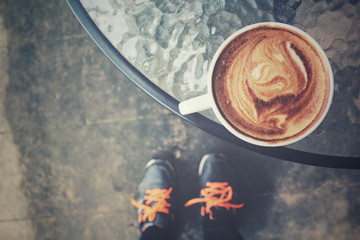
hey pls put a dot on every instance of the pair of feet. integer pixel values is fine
(157, 192)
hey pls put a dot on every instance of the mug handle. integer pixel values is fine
(195, 104)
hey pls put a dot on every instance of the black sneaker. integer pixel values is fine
(218, 199)
(155, 199)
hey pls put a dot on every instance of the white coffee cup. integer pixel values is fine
(207, 101)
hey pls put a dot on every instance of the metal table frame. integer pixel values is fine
(197, 119)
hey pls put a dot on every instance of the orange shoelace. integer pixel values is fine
(159, 197)
(216, 194)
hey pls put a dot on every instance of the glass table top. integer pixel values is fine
(173, 42)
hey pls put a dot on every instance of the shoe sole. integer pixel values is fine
(203, 160)
(153, 161)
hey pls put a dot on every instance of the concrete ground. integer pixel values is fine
(75, 134)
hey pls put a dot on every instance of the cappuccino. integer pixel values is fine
(271, 84)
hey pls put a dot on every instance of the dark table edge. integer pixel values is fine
(196, 119)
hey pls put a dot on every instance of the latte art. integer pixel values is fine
(271, 84)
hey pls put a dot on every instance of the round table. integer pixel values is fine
(165, 48)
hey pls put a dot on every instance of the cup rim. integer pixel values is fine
(244, 137)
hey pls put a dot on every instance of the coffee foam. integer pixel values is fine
(271, 84)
